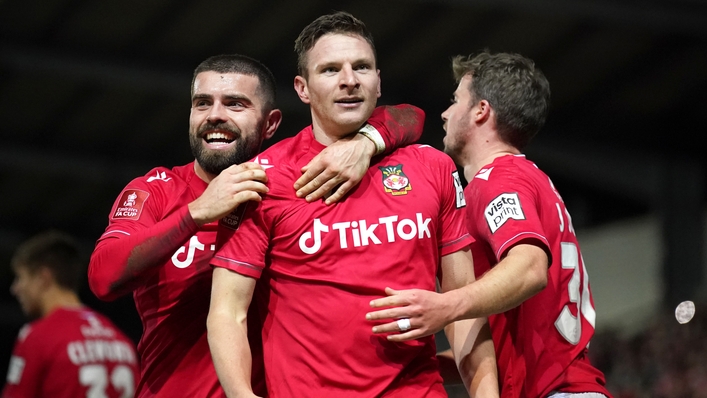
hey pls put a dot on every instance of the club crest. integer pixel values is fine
(394, 180)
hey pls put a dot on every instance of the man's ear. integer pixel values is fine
(378, 93)
(272, 122)
(46, 276)
(483, 112)
(301, 89)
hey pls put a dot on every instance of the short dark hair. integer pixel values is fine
(518, 92)
(56, 251)
(244, 65)
(340, 22)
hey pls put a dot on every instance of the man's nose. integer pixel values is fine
(348, 77)
(217, 114)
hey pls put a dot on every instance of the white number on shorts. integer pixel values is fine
(570, 326)
(95, 377)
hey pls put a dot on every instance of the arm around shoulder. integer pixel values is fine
(396, 125)
(520, 275)
(341, 166)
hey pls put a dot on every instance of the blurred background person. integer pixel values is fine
(69, 350)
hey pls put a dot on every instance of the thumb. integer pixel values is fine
(391, 292)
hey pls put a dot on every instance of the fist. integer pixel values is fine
(234, 186)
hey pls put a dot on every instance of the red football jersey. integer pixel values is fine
(72, 352)
(324, 264)
(540, 345)
(172, 303)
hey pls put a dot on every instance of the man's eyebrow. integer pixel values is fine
(201, 96)
(364, 60)
(329, 63)
(228, 97)
(338, 64)
(232, 97)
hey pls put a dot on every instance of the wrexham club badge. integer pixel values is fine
(394, 180)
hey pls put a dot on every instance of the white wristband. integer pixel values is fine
(372, 134)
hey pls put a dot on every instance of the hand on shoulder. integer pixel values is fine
(234, 186)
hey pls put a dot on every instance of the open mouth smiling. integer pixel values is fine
(219, 137)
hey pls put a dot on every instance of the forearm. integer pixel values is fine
(518, 277)
(230, 351)
(398, 125)
(120, 262)
(339, 167)
(227, 329)
(473, 350)
(487, 296)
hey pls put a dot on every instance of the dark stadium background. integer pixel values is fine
(95, 93)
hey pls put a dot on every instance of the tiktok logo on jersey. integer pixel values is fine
(360, 233)
(504, 207)
(180, 260)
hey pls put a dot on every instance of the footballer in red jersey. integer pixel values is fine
(72, 352)
(69, 350)
(162, 227)
(325, 263)
(511, 201)
(172, 300)
(526, 255)
(402, 226)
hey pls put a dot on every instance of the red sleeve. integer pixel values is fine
(398, 125)
(242, 247)
(25, 373)
(506, 210)
(454, 234)
(132, 249)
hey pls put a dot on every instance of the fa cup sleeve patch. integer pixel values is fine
(459, 190)
(14, 373)
(130, 205)
(233, 219)
(504, 207)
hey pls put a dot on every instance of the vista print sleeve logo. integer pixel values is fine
(504, 207)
